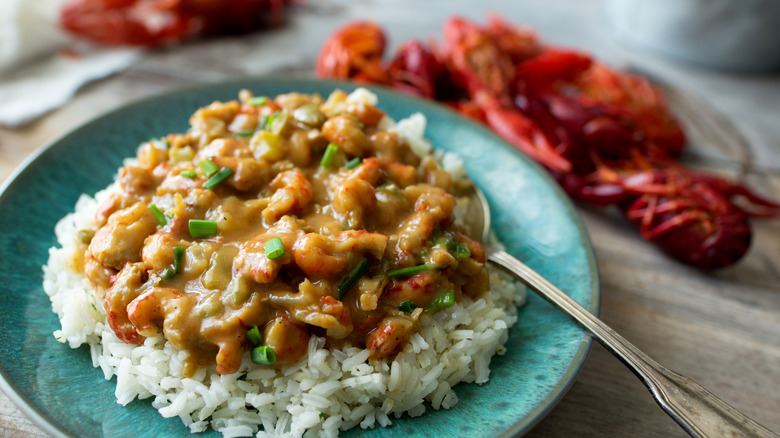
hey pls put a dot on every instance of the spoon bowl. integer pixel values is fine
(695, 409)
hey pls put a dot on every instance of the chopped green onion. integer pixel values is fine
(274, 248)
(263, 355)
(262, 124)
(218, 177)
(188, 173)
(442, 301)
(353, 163)
(405, 272)
(157, 214)
(168, 274)
(330, 153)
(353, 277)
(270, 120)
(257, 101)
(208, 167)
(202, 228)
(254, 336)
(245, 132)
(178, 253)
(444, 239)
(461, 251)
(407, 306)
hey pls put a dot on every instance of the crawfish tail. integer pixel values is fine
(520, 131)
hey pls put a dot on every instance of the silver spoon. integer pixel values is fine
(695, 409)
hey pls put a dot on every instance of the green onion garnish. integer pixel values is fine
(442, 301)
(407, 306)
(270, 120)
(444, 239)
(461, 251)
(168, 273)
(274, 248)
(258, 101)
(178, 253)
(218, 177)
(405, 272)
(262, 124)
(157, 214)
(245, 132)
(352, 277)
(353, 163)
(254, 336)
(208, 167)
(263, 355)
(202, 228)
(330, 153)
(188, 173)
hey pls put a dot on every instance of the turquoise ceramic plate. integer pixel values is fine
(58, 388)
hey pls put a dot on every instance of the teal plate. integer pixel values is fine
(58, 388)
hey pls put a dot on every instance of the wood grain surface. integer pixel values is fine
(721, 329)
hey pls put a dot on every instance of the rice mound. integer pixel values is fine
(327, 391)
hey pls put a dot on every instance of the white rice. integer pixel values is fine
(325, 392)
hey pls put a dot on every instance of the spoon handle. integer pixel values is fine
(697, 410)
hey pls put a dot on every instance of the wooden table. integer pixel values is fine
(721, 329)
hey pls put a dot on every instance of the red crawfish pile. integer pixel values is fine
(152, 23)
(608, 137)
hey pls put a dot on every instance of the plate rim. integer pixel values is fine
(521, 426)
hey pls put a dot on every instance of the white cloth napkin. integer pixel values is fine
(41, 66)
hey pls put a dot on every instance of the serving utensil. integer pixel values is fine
(695, 409)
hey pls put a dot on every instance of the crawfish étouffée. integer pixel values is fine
(350, 203)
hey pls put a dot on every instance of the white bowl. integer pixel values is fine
(740, 35)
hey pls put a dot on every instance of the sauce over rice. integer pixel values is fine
(296, 215)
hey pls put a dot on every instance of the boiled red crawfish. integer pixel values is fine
(608, 137)
(155, 22)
